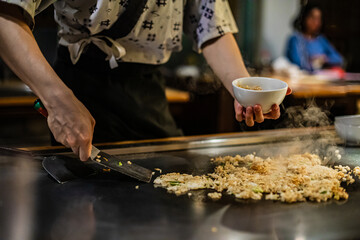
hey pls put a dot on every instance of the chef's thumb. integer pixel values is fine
(85, 151)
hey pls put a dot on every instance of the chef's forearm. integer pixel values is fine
(19, 50)
(224, 57)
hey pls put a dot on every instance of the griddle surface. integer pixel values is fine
(109, 207)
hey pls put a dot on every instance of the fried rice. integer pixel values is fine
(295, 178)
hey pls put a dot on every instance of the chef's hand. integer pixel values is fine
(255, 114)
(72, 125)
(69, 121)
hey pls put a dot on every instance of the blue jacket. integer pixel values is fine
(300, 50)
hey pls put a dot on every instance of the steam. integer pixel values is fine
(307, 116)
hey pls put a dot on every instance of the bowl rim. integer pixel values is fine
(340, 120)
(347, 117)
(258, 91)
(346, 124)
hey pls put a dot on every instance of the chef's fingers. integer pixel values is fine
(70, 142)
(57, 133)
(259, 117)
(249, 116)
(85, 151)
(238, 111)
(288, 91)
(93, 123)
(61, 137)
(75, 150)
(274, 114)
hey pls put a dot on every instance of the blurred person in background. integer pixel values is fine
(307, 47)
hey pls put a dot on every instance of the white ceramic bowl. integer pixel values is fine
(274, 92)
(348, 128)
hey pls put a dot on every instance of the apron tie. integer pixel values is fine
(110, 47)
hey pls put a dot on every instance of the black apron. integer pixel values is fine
(128, 102)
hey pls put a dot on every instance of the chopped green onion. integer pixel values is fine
(174, 183)
(257, 190)
(323, 192)
(120, 164)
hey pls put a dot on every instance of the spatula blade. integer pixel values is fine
(125, 167)
(64, 169)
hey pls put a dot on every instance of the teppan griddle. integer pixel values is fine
(33, 206)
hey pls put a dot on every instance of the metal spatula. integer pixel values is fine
(64, 169)
(108, 161)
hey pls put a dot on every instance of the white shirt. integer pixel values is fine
(157, 33)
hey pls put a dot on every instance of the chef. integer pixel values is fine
(107, 66)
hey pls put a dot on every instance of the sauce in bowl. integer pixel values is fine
(257, 88)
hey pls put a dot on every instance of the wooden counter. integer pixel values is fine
(17, 101)
(177, 96)
(172, 95)
(311, 86)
